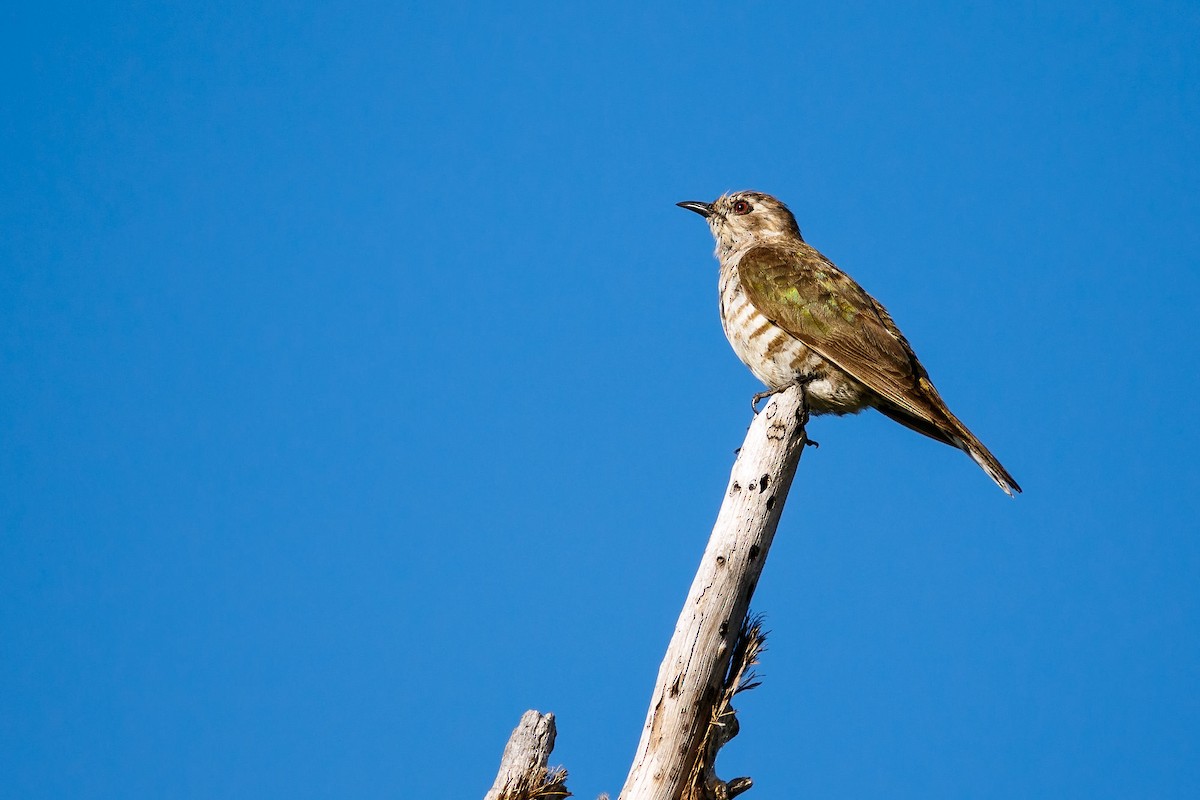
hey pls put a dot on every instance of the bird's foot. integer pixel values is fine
(758, 398)
(802, 413)
(802, 381)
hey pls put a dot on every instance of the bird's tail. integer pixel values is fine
(966, 441)
(945, 427)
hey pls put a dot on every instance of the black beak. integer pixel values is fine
(703, 209)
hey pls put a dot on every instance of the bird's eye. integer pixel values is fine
(741, 207)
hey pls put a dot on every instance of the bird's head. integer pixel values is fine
(741, 219)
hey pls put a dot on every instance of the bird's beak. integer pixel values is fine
(703, 209)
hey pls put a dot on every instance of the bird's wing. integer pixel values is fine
(802, 292)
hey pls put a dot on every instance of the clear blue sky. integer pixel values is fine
(361, 386)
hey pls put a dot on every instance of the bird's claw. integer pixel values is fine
(758, 398)
(803, 381)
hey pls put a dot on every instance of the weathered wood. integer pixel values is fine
(692, 681)
(523, 774)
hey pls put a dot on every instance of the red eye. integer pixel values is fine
(741, 207)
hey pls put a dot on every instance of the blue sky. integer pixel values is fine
(361, 386)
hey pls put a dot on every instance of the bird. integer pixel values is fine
(794, 318)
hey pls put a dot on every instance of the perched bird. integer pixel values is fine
(793, 317)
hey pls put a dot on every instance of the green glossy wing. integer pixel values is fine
(802, 292)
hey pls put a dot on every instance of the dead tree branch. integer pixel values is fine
(689, 716)
(715, 644)
(523, 773)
